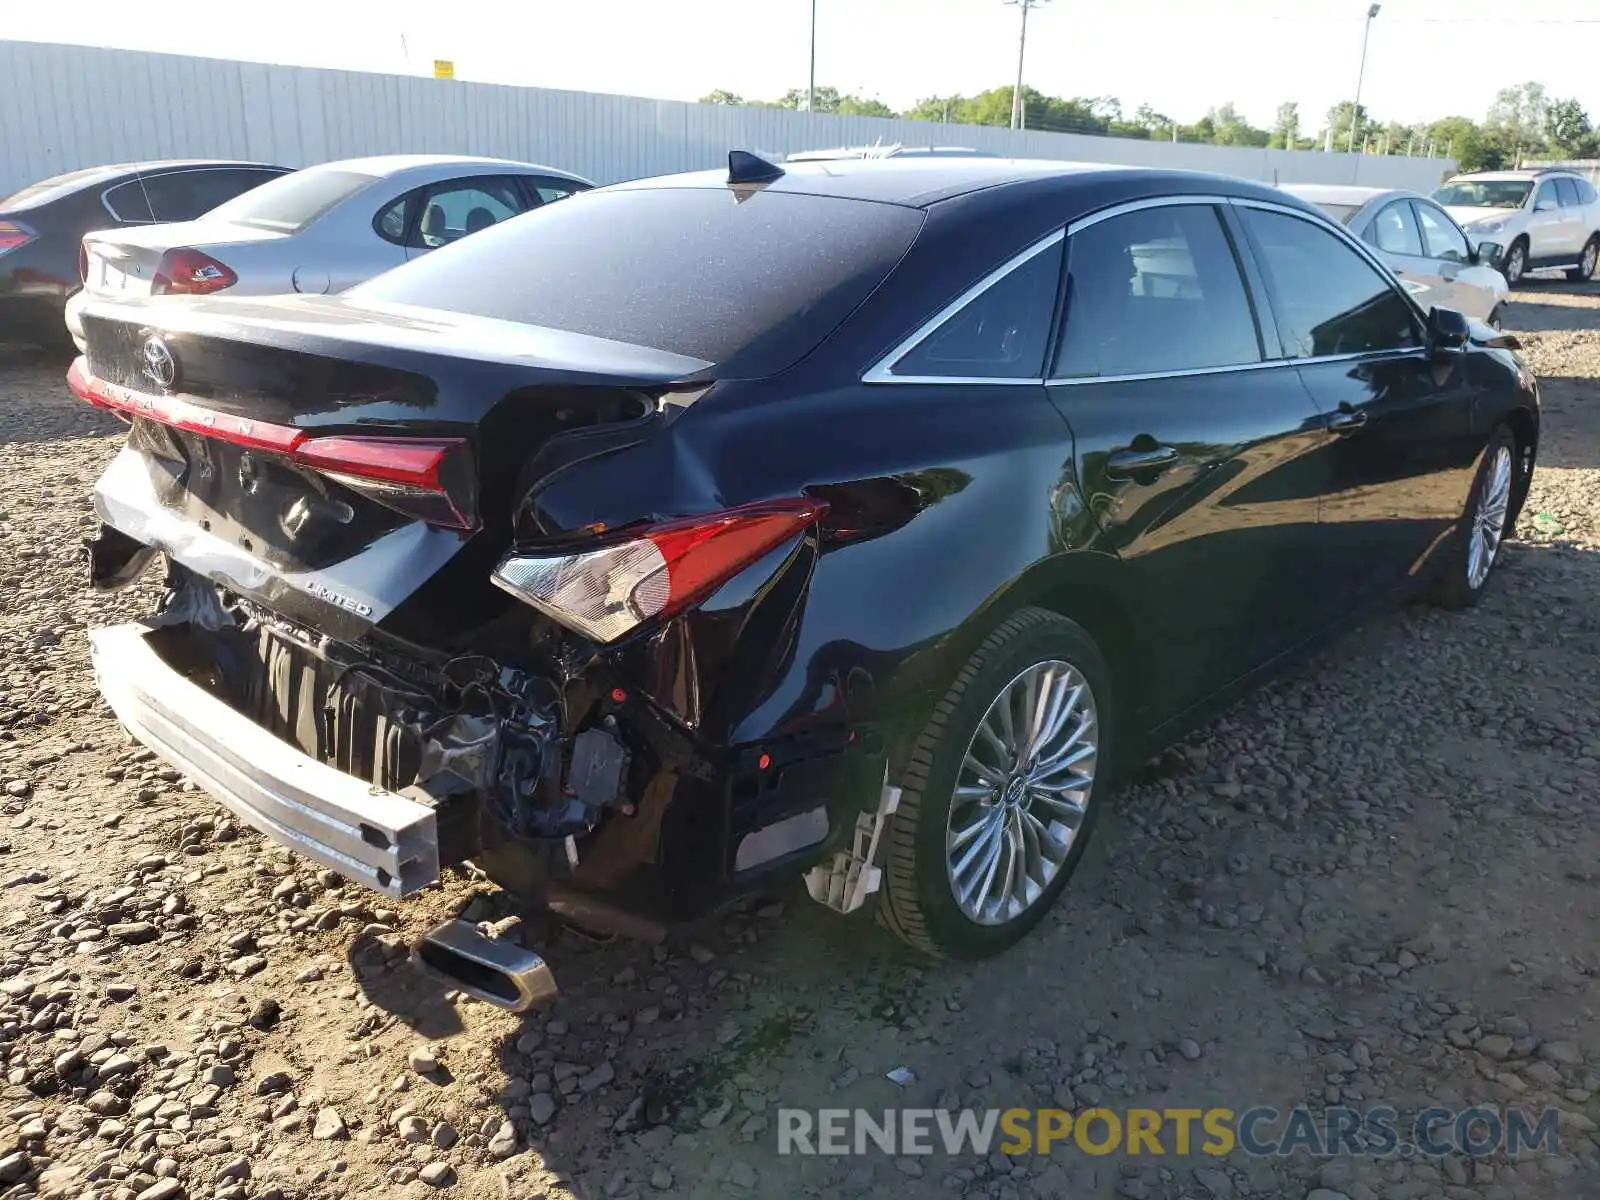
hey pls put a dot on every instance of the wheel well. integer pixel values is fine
(1525, 434)
(1105, 620)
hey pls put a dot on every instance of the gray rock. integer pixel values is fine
(1325, 1194)
(741, 1174)
(329, 1126)
(597, 1078)
(246, 965)
(503, 1143)
(1190, 1049)
(541, 1107)
(412, 1129)
(437, 1174)
(14, 1166)
(1564, 1053)
(908, 1166)
(162, 1189)
(423, 1060)
(1216, 1182)
(444, 1135)
(135, 933)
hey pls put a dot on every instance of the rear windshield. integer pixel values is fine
(752, 283)
(53, 188)
(1485, 193)
(291, 202)
(1340, 212)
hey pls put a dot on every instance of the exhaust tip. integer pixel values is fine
(496, 970)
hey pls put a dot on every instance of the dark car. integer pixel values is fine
(861, 520)
(42, 227)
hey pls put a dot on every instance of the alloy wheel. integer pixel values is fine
(1489, 519)
(1591, 258)
(1515, 262)
(1022, 792)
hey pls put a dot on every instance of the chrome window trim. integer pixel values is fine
(881, 371)
(1117, 210)
(1304, 361)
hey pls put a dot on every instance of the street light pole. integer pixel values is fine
(1022, 49)
(1355, 109)
(811, 85)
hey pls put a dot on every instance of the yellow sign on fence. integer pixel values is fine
(443, 68)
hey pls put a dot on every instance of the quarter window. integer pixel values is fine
(999, 334)
(129, 204)
(1154, 291)
(548, 189)
(1441, 237)
(1328, 299)
(1586, 192)
(1567, 189)
(1394, 231)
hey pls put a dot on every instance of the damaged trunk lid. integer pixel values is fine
(328, 459)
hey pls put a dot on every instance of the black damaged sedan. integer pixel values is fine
(858, 520)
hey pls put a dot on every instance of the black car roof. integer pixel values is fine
(69, 182)
(920, 182)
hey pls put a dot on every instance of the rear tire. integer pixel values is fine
(1515, 266)
(1033, 798)
(1584, 271)
(1484, 526)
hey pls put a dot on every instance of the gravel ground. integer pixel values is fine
(1373, 882)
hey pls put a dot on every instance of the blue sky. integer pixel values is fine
(1428, 58)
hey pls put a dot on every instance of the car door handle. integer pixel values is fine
(1347, 419)
(1147, 460)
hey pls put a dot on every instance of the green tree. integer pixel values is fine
(721, 96)
(1286, 127)
(859, 106)
(1231, 128)
(1569, 131)
(1339, 122)
(1518, 117)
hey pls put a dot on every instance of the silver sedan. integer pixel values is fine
(322, 229)
(1422, 244)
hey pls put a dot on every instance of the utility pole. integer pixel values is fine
(1022, 49)
(811, 84)
(1355, 109)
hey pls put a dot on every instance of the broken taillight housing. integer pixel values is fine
(658, 571)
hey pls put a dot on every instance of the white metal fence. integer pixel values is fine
(64, 107)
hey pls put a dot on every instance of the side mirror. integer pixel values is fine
(1448, 331)
(1488, 254)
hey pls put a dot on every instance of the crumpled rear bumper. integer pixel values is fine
(369, 835)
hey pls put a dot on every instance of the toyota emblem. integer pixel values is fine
(159, 365)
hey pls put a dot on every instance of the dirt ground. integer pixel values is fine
(1372, 883)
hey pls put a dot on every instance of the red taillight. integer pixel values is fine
(187, 272)
(608, 591)
(14, 235)
(428, 478)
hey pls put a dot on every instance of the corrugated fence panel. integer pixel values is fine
(64, 107)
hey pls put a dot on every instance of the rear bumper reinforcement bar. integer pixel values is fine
(371, 836)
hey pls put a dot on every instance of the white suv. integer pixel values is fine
(1544, 219)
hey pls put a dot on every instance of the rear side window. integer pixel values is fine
(291, 202)
(453, 210)
(999, 334)
(1394, 231)
(1567, 189)
(1328, 299)
(1586, 192)
(750, 281)
(1155, 291)
(128, 203)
